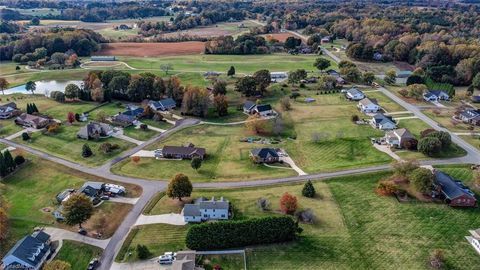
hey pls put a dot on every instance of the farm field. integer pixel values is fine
(34, 187)
(219, 29)
(356, 228)
(77, 254)
(151, 49)
(244, 64)
(282, 37)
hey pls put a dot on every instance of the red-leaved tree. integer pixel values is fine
(70, 117)
(288, 203)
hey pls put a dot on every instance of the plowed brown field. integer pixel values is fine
(151, 49)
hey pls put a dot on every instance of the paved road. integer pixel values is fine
(473, 154)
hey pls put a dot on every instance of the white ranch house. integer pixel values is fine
(203, 210)
(354, 94)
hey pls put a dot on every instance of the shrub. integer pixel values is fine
(294, 95)
(437, 259)
(410, 144)
(403, 168)
(231, 234)
(421, 179)
(142, 252)
(308, 190)
(403, 92)
(86, 151)
(285, 103)
(306, 216)
(429, 146)
(105, 148)
(263, 204)
(386, 188)
(135, 159)
(355, 118)
(426, 132)
(288, 203)
(53, 128)
(25, 136)
(144, 127)
(19, 159)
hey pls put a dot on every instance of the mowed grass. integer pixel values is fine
(342, 143)
(329, 223)
(78, 254)
(34, 187)
(139, 134)
(65, 144)
(247, 64)
(385, 102)
(444, 118)
(227, 158)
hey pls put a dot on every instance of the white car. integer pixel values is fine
(165, 259)
(172, 254)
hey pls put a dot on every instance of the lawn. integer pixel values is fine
(34, 187)
(77, 254)
(473, 140)
(444, 118)
(385, 102)
(157, 124)
(139, 134)
(65, 144)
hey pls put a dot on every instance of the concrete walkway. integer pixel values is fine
(172, 219)
(151, 127)
(292, 164)
(61, 234)
(385, 149)
(438, 104)
(467, 133)
(400, 112)
(405, 118)
(18, 134)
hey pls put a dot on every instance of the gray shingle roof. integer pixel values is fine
(249, 105)
(450, 188)
(264, 107)
(31, 249)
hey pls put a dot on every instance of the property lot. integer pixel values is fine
(220, 29)
(355, 228)
(31, 193)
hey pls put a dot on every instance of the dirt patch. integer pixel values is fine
(279, 36)
(151, 49)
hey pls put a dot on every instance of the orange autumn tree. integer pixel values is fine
(288, 203)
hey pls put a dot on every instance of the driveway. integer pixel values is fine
(292, 164)
(61, 234)
(144, 153)
(119, 134)
(172, 219)
(385, 149)
(124, 200)
(142, 265)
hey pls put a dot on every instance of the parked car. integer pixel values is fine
(105, 197)
(93, 264)
(82, 231)
(165, 259)
(172, 254)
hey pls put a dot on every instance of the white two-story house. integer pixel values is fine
(203, 209)
(368, 105)
(474, 239)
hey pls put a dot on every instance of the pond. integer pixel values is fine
(44, 87)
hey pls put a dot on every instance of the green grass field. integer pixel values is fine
(39, 12)
(355, 228)
(138, 134)
(77, 254)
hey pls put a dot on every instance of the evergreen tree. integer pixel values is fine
(9, 162)
(86, 151)
(34, 108)
(308, 190)
(29, 108)
(231, 71)
(3, 167)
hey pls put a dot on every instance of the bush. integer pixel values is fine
(142, 252)
(306, 216)
(421, 179)
(57, 96)
(403, 168)
(308, 190)
(429, 146)
(437, 259)
(355, 118)
(426, 132)
(386, 188)
(25, 136)
(143, 127)
(86, 151)
(263, 204)
(19, 159)
(232, 234)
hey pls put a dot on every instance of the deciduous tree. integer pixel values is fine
(421, 179)
(179, 187)
(3, 85)
(288, 203)
(196, 163)
(321, 63)
(77, 209)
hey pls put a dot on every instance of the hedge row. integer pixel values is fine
(230, 234)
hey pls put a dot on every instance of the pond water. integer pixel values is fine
(44, 87)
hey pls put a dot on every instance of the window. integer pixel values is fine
(223, 215)
(214, 210)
